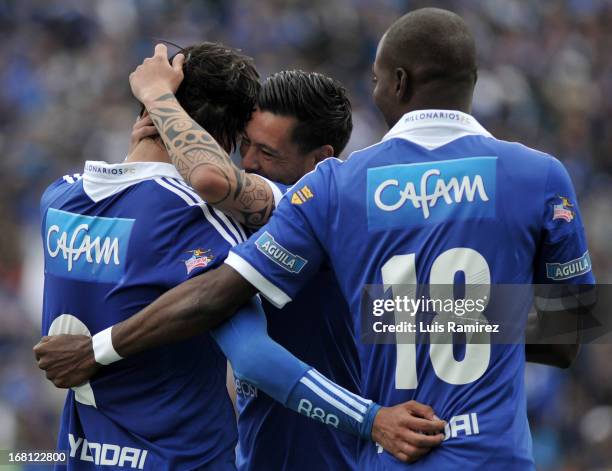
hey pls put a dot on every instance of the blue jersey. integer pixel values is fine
(114, 241)
(439, 200)
(318, 330)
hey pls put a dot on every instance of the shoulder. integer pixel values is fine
(57, 188)
(521, 152)
(181, 204)
(549, 167)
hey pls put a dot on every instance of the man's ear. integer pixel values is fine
(317, 155)
(322, 153)
(403, 85)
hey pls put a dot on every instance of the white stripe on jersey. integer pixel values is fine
(354, 401)
(238, 226)
(209, 214)
(244, 236)
(204, 207)
(223, 217)
(176, 191)
(72, 178)
(217, 225)
(331, 400)
(238, 233)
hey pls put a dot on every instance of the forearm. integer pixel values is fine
(257, 359)
(194, 306)
(207, 167)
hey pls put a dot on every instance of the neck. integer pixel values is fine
(435, 103)
(438, 99)
(149, 150)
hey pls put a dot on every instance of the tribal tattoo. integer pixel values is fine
(245, 196)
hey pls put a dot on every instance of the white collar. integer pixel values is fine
(435, 128)
(101, 180)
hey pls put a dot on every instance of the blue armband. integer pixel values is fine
(259, 360)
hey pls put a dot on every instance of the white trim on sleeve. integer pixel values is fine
(271, 292)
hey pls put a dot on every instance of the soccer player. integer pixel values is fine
(119, 236)
(438, 198)
(301, 119)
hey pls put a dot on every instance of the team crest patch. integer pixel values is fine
(302, 195)
(562, 211)
(199, 259)
(571, 269)
(279, 254)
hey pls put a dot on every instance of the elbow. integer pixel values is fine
(209, 183)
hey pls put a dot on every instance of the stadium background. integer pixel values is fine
(545, 80)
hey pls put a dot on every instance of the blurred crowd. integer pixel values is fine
(545, 79)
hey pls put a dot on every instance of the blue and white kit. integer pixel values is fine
(438, 201)
(114, 240)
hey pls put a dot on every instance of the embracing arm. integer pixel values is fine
(409, 430)
(192, 307)
(259, 360)
(200, 160)
(208, 168)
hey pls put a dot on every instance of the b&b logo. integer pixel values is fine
(84, 247)
(417, 194)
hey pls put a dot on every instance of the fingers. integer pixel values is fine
(420, 410)
(421, 440)
(142, 129)
(57, 381)
(177, 62)
(142, 121)
(144, 132)
(424, 425)
(161, 51)
(409, 454)
(39, 346)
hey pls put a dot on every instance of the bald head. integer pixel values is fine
(426, 59)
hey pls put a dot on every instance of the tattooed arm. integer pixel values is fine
(197, 156)
(207, 168)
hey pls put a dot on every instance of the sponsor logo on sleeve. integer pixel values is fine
(279, 254)
(431, 192)
(571, 269)
(562, 211)
(302, 195)
(86, 248)
(199, 259)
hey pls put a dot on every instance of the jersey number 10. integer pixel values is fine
(401, 270)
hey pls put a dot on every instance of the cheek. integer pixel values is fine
(382, 98)
(376, 95)
(270, 169)
(285, 172)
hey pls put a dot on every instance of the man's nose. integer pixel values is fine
(250, 161)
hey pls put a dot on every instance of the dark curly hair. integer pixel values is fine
(319, 103)
(219, 90)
